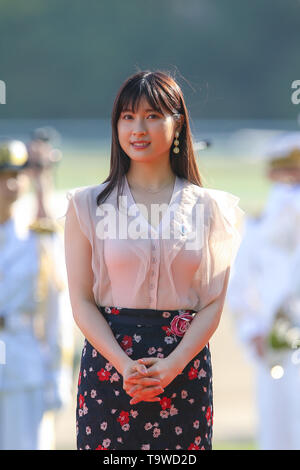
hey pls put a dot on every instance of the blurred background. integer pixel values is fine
(62, 64)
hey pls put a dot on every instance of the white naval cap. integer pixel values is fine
(283, 150)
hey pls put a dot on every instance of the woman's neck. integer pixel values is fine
(149, 180)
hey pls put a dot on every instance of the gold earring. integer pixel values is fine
(176, 143)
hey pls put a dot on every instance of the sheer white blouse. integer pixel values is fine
(178, 264)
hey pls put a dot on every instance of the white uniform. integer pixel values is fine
(36, 340)
(265, 277)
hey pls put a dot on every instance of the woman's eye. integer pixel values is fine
(127, 116)
(153, 115)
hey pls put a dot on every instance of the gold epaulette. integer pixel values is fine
(45, 225)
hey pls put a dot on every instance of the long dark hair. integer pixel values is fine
(163, 93)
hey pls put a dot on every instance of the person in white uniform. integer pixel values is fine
(36, 342)
(264, 297)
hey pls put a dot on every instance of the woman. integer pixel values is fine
(146, 297)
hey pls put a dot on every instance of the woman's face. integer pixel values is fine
(146, 135)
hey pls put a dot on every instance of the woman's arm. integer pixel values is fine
(202, 328)
(78, 255)
(195, 338)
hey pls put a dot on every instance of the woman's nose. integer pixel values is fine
(139, 128)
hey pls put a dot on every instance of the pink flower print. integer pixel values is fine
(196, 363)
(191, 401)
(84, 373)
(155, 425)
(106, 443)
(169, 340)
(113, 411)
(134, 413)
(145, 447)
(117, 393)
(156, 432)
(80, 413)
(85, 409)
(94, 353)
(107, 310)
(99, 402)
(151, 350)
(173, 411)
(126, 427)
(159, 349)
(196, 424)
(108, 366)
(115, 377)
(202, 373)
(181, 323)
(103, 426)
(88, 430)
(197, 440)
(119, 439)
(184, 394)
(178, 430)
(93, 393)
(164, 414)
(178, 447)
(204, 389)
(160, 355)
(148, 426)
(166, 314)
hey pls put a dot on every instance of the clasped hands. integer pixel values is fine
(146, 378)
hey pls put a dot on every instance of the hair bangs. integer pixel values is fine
(152, 92)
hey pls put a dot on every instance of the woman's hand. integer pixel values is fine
(151, 386)
(162, 370)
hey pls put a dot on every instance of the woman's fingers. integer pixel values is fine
(146, 394)
(143, 381)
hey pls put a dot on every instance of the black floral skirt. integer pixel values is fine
(182, 419)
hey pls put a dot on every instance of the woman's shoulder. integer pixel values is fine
(214, 196)
(86, 192)
(221, 205)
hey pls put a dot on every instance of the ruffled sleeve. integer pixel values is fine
(221, 243)
(80, 198)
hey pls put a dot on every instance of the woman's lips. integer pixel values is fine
(140, 145)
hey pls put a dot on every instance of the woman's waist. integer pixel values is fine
(147, 317)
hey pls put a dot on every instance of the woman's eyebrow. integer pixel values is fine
(146, 110)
